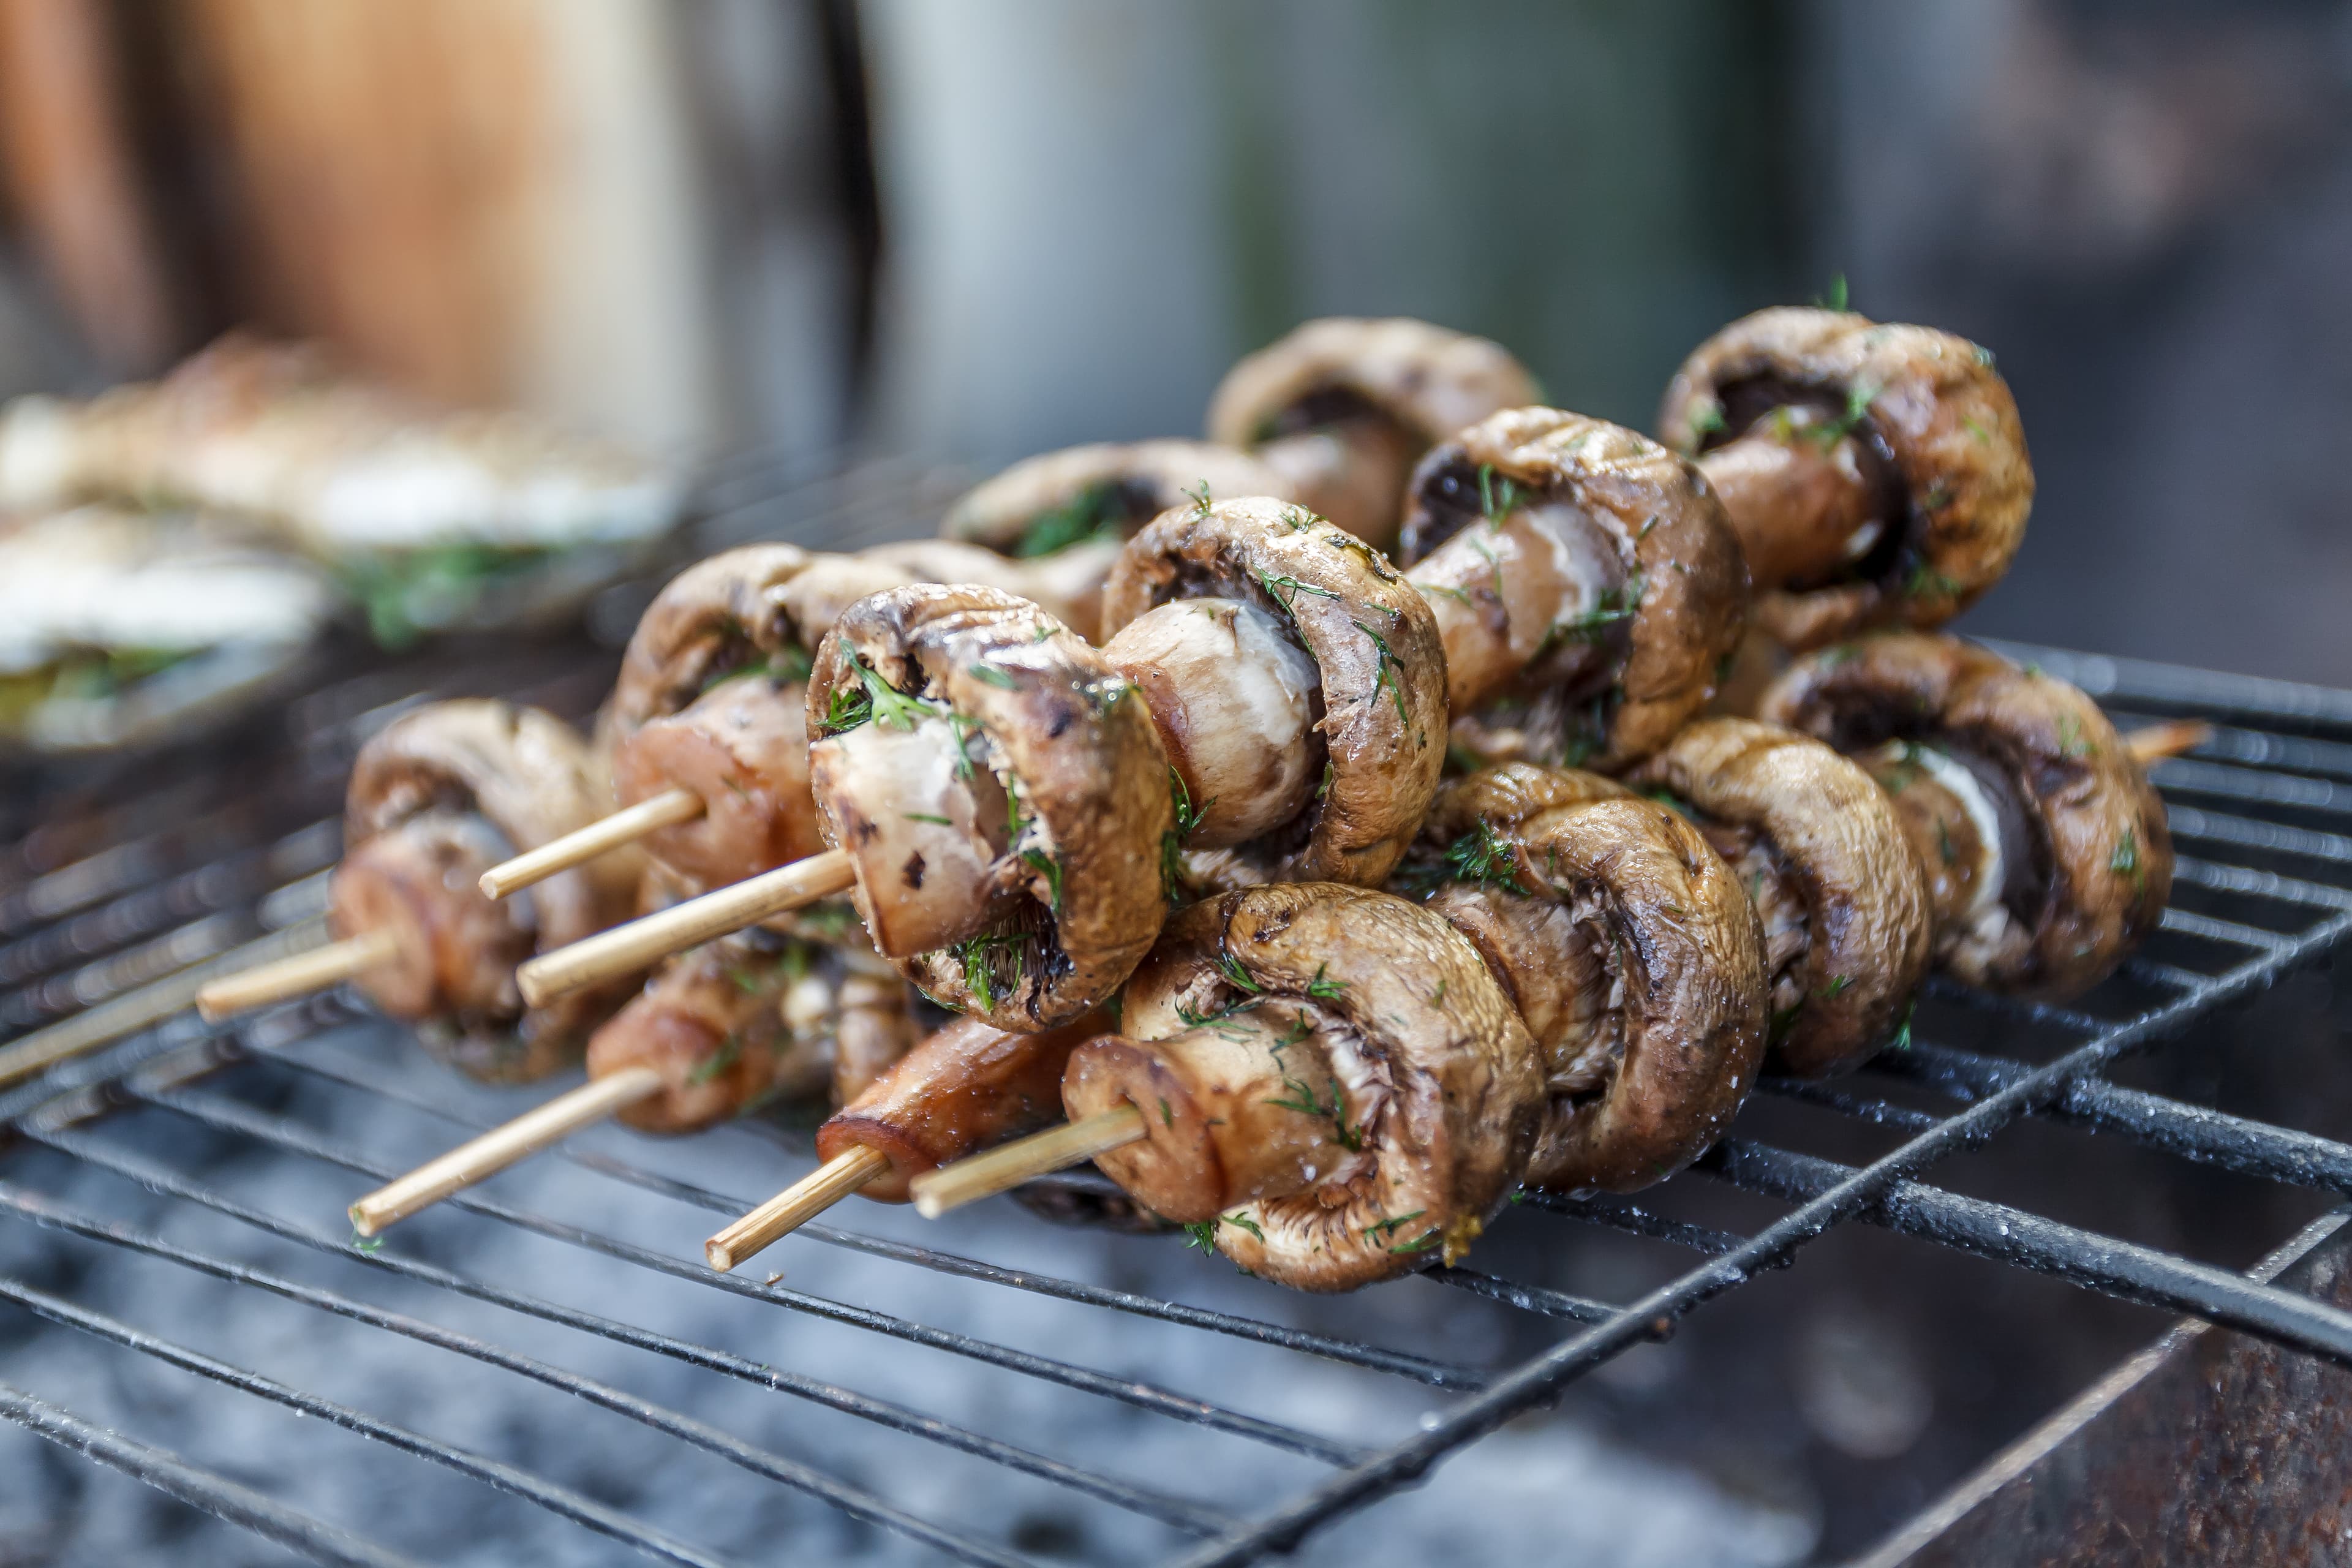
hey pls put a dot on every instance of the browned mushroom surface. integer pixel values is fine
(2045, 848)
(1063, 515)
(1342, 408)
(435, 799)
(1587, 585)
(1001, 795)
(1877, 473)
(1330, 1079)
(1221, 614)
(710, 1021)
(1818, 847)
(1633, 955)
(963, 1088)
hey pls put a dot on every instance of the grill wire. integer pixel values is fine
(201, 873)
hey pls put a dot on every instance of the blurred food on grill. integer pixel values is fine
(120, 628)
(434, 519)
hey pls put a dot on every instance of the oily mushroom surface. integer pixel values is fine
(1663, 598)
(1344, 405)
(1636, 962)
(710, 1021)
(1073, 900)
(1380, 668)
(2055, 798)
(493, 779)
(1938, 456)
(1433, 1090)
(966, 1087)
(1793, 817)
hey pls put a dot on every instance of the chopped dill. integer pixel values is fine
(718, 1062)
(1084, 516)
(1235, 975)
(1224, 1024)
(2124, 862)
(1425, 1242)
(1382, 1229)
(1783, 1019)
(1202, 500)
(1449, 591)
(1984, 356)
(1240, 1220)
(1944, 841)
(1323, 790)
(1834, 299)
(1485, 858)
(878, 699)
(1901, 1040)
(977, 958)
(1275, 585)
(1297, 519)
(990, 675)
(2071, 742)
(1975, 427)
(927, 816)
(370, 1245)
(1203, 1234)
(1925, 582)
(1708, 420)
(1321, 989)
(1838, 986)
(783, 668)
(1301, 1099)
(1167, 1116)
(1496, 500)
(1181, 798)
(1386, 659)
(1050, 868)
(1297, 1031)
(1437, 997)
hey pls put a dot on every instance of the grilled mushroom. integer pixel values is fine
(1067, 512)
(1203, 605)
(1630, 951)
(1342, 407)
(1819, 849)
(1877, 474)
(1001, 795)
(749, 1019)
(963, 1088)
(1330, 1079)
(435, 799)
(2045, 848)
(1587, 585)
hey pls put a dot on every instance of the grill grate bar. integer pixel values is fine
(2128, 681)
(1181, 1512)
(226, 1115)
(1617, 1214)
(2120, 1268)
(2250, 833)
(2189, 922)
(1542, 1378)
(198, 1487)
(2192, 1132)
(557, 1500)
(1439, 1375)
(774, 1467)
(2221, 781)
(1526, 1298)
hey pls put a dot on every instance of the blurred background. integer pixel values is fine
(978, 232)
(969, 233)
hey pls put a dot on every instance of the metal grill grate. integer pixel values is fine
(143, 1162)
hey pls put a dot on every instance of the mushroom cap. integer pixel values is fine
(2096, 815)
(1431, 379)
(1147, 476)
(1936, 414)
(531, 776)
(1870, 926)
(1464, 1097)
(1504, 796)
(774, 597)
(1667, 527)
(1374, 643)
(1695, 1009)
(1085, 760)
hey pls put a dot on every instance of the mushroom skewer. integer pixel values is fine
(716, 1033)
(1877, 474)
(2045, 848)
(1325, 1081)
(1625, 946)
(1342, 408)
(1251, 566)
(433, 798)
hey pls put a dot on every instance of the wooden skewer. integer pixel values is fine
(1008, 1165)
(2169, 738)
(625, 949)
(494, 1150)
(794, 1207)
(666, 809)
(296, 976)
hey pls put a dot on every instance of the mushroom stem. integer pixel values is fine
(1246, 1105)
(1231, 694)
(1507, 590)
(1952, 828)
(1798, 497)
